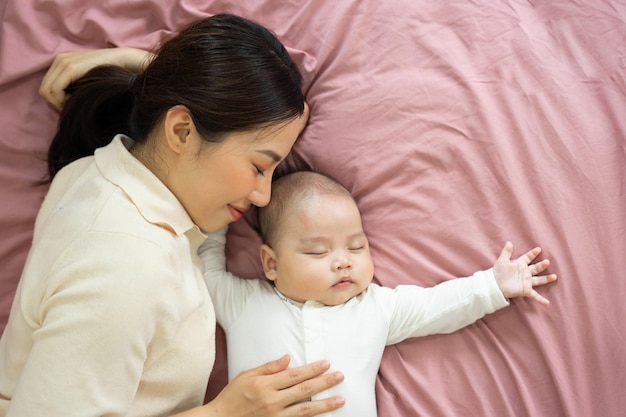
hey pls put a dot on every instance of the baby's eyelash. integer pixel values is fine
(319, 253)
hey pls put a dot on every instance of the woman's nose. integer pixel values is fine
(260, 196)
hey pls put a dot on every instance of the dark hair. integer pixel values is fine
(232, 75)
(287, 192)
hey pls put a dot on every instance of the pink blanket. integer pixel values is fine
(457, 126)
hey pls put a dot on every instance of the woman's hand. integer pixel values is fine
(70, 66)
(517, 278)
(272, 390)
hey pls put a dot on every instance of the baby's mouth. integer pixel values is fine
(343, 282)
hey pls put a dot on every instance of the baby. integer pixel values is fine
(319, 302)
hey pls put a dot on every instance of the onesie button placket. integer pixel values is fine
(313, 335)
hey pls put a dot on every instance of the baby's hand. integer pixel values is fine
(516, 278)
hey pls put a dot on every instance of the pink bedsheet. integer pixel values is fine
(457, 125)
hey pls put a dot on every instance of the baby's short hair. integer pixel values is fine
(289, 190)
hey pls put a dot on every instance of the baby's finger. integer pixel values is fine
(535, 296)
(540, 280)
(505, 254)
(539, 267)
(528, 257)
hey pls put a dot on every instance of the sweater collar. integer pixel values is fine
(153, 199)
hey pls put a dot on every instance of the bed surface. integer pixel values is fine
(457, 127)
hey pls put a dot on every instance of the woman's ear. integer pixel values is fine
(178, 126)
(268, 260)
(304, 119)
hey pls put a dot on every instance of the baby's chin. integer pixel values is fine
(339, 299)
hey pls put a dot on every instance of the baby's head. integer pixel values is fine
(314, 247)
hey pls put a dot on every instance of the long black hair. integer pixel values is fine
(231, 73)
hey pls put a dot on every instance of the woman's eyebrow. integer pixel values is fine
(271, 154)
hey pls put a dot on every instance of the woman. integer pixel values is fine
(112, 316)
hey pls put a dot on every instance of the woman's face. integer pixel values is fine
(217, 183)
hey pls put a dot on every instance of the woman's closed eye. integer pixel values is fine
(259, 171)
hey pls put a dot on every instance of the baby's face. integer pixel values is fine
(323, 254)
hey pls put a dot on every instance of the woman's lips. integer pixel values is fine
(236, 212)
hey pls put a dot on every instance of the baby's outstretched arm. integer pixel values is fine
(517, 277)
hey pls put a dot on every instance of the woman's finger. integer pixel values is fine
(68, 67)
(307, 379)
(297, 385)
(63, 71)
(300, 374)
(313, 408)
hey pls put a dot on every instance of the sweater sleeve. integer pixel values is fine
(94, 320)
(444, 308)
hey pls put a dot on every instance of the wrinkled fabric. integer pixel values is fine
(457, 126)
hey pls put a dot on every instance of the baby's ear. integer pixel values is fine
(268, 259)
